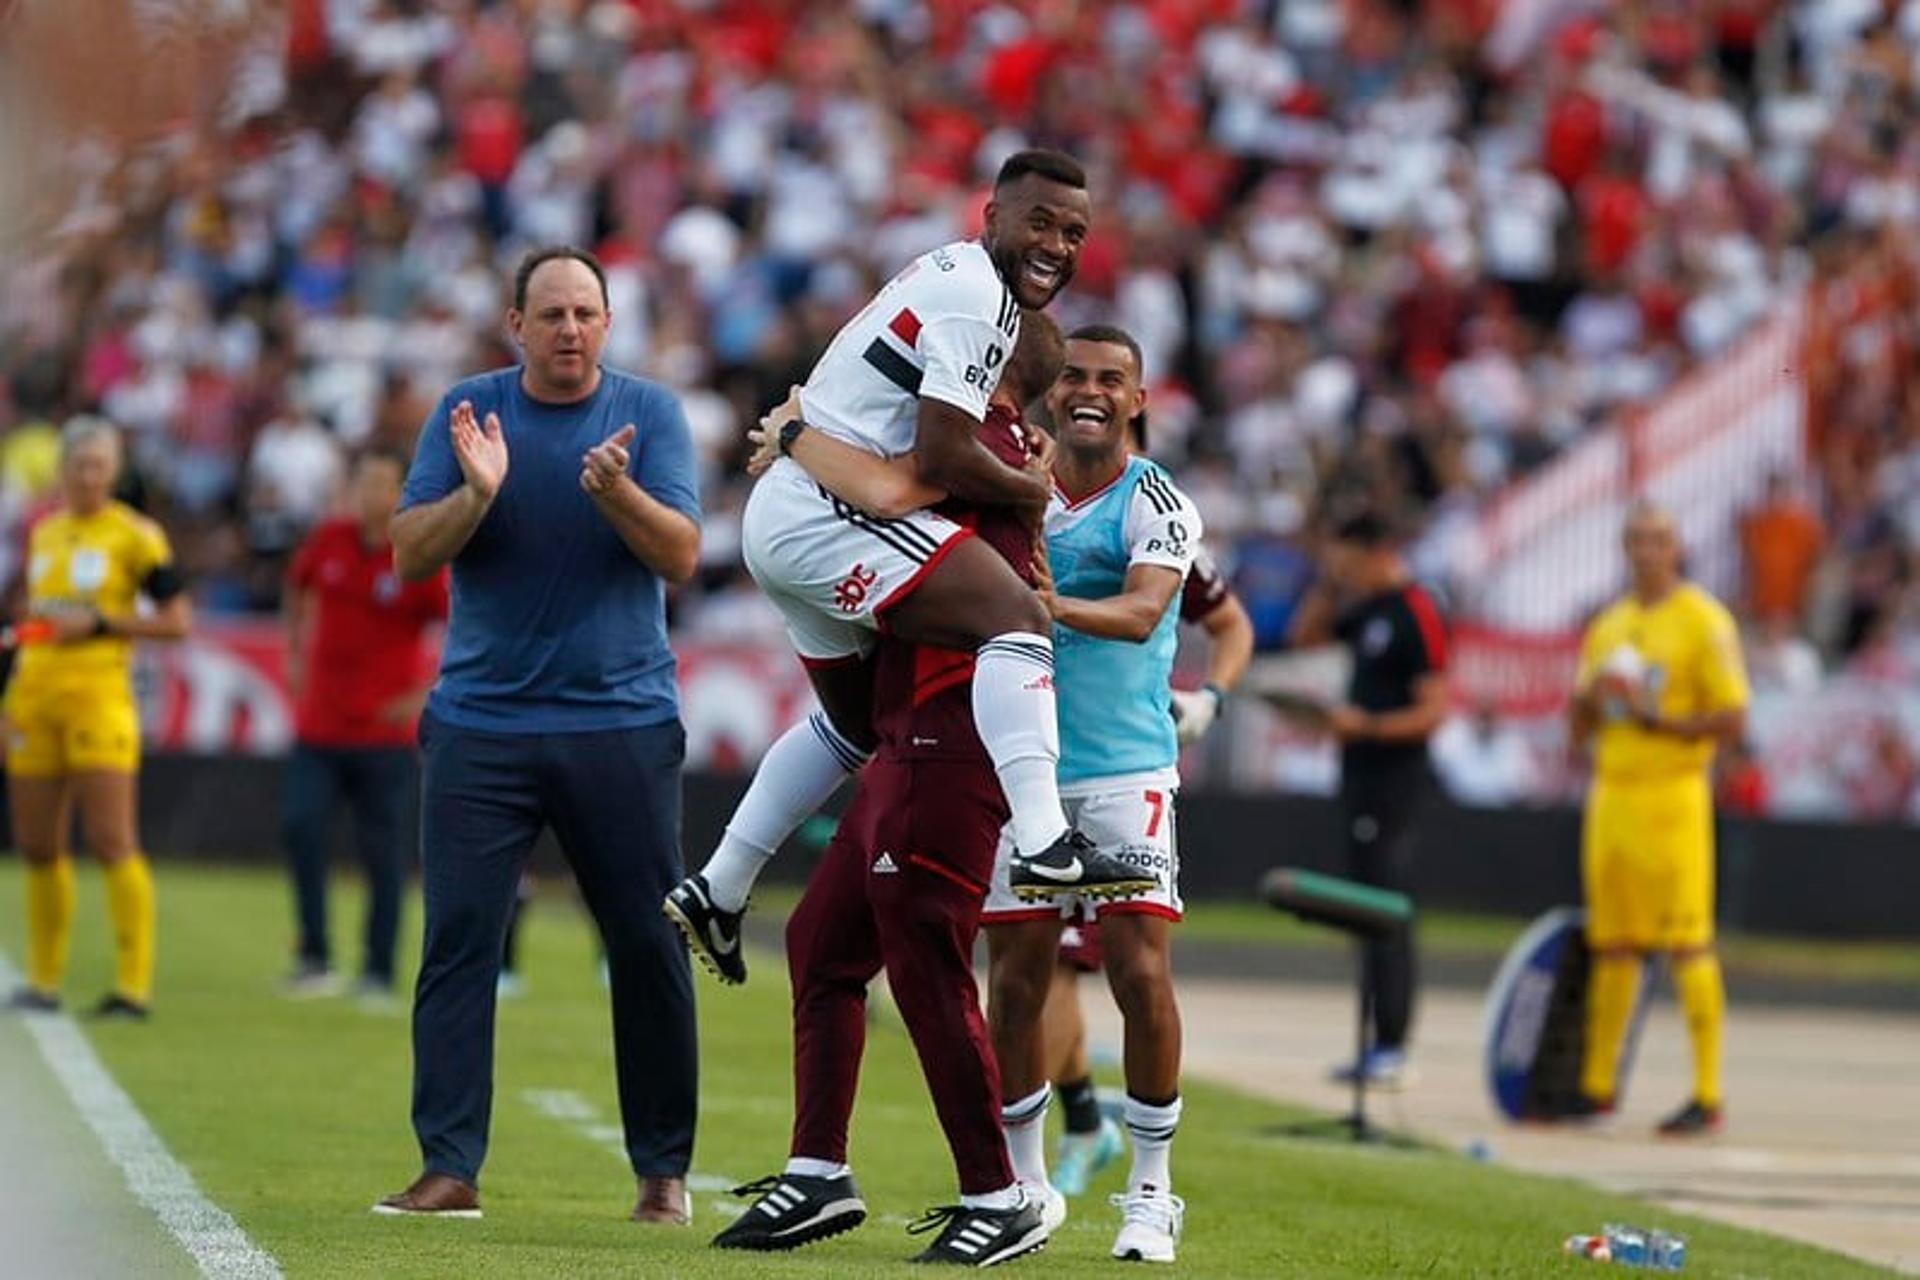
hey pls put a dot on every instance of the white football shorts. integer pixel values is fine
(1132, 820)
(833, 569)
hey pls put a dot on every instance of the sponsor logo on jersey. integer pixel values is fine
(851, 592)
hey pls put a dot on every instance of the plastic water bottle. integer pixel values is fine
(1666, 1252)
(1628, 1245)
(1591, 1247)
(1631, 1246)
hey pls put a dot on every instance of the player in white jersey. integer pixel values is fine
(1120, 539)
(909, 377)
(1119, 554)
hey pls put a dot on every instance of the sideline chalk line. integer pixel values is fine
(157, 1179)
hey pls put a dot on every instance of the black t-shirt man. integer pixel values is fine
(1396, 698)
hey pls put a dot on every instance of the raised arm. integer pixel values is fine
(665, 540)
(644, 482)
(1312, 624)
(466, 464)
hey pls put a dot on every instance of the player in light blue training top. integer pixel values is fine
(1119, 539)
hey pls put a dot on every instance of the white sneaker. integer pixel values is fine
(312, 982)
(1053, 1205)
(1149, 1225)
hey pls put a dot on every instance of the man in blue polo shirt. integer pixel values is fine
(563, 496)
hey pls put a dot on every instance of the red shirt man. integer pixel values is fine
(357, 653)
(359, 666)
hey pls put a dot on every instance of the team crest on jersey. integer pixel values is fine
(1376, 637)
(386, 587)
(87, 569)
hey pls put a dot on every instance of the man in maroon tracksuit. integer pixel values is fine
(900, 889)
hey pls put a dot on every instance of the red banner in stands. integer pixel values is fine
(225, 690)
(1520, 673)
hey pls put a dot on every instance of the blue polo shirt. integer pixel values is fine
(556, 627)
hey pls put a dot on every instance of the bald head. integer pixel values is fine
(1652, 543)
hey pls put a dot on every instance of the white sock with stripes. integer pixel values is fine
(1151, 1129)
(808, 1167)
(799, 773)
(1025, 1123)
(1013, 708)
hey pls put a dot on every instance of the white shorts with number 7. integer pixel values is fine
(1130, 818)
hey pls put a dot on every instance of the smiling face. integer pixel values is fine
(1035, 230)
(562, 330)
(1097, 393)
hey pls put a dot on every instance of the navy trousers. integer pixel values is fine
(613, 800)
(377, 785)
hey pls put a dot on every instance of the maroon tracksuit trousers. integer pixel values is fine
(900, 889)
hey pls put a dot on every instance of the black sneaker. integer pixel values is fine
(981, 1237)
(1071, 864)
(1693, 1119)
(33, 1000)
(1584, 1108)
(713, 934)
(119, 1006)
(793, 1210)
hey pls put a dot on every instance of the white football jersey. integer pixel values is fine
(942, 328)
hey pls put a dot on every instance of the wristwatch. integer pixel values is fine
(788, 434)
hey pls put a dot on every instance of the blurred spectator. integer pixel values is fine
(1882, 782)
(1385, 253)
(1780, 660)
(1781, 540)
(1273, 569)
(1483, 762)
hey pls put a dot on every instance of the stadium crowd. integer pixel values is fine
(1356, 269)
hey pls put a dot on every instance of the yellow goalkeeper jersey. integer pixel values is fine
(1683, 654)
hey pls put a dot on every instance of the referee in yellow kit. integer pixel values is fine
(74, 732)
(1660, 687)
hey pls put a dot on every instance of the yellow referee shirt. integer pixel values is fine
(99, 561)
(1684, 655)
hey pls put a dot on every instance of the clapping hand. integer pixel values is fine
(605, 465)
(480, 449)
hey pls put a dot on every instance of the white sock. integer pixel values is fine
(1013, 708)
(808, 1167)
(1025, 1122)
(799, 773)
(1009, 1197)
(1151, 1129)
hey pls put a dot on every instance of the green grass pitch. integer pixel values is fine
(293, 1116)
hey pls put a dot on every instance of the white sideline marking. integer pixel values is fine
(159, 1181)
(573, 1110)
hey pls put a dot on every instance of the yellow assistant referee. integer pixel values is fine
(73, 732)
(1660, 687)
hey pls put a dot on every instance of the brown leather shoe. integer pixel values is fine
(440, 1195)
(664, 1200)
